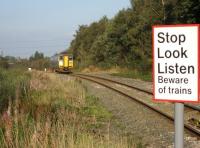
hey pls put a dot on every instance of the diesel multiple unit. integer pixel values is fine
(65, 63)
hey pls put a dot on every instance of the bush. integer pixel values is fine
(4, 63)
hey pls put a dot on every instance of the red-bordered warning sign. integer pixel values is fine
(176, 63)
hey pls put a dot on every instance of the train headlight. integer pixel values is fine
(60, 63)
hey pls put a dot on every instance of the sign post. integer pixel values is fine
(176, 69)
(179, 125)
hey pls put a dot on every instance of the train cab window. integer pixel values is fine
(61, 58)
(70, 58)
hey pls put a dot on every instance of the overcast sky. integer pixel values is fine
(48, 25)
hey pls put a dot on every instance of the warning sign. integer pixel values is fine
(176, 63)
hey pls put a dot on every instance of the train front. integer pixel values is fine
(65, 63)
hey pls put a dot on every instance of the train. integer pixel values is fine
(64, 63)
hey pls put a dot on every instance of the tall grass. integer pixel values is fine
(135, 74)
(56, 112)
(12, 82)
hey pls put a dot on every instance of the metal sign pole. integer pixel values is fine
(179, 125)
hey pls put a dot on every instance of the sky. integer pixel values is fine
(48, 26)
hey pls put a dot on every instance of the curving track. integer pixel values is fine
(102, 81)
(139, 89)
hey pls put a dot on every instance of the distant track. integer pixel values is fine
(98, 80)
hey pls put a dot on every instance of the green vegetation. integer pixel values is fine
(13, 83)
(38, 61)
(125, 40)
(93, 108)
(56, 112)
(4, 63)
(134, 74)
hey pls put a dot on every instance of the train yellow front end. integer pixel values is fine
(65, 63)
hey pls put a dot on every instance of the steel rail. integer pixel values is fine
(186, 126)
(139, 89)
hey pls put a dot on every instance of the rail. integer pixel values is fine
(139, 89)
(89, 78)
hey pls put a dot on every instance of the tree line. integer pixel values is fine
(125, 40)
(36, 61)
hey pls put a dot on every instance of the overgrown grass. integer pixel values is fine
(12, 82)
(56, 113)
(145, 76)
(121, 72)
(94, 108)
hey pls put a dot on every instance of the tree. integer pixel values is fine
(38, 61)
(84, 39)
(125, 40)
(188, 11)
(37, 56)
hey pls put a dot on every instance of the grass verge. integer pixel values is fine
(56, 112)
(147, 76)
(13, 83)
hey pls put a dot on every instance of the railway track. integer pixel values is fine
(103, 81)
(139, 89)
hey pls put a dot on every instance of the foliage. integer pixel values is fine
(14, 83)
(57, 112)
(38, 61)
(94, 108)
(85, 37)
(188, 11)
(127, 73)
(4, 63)
(37, 56)
(125, 40)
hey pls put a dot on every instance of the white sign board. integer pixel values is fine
(176, 63)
